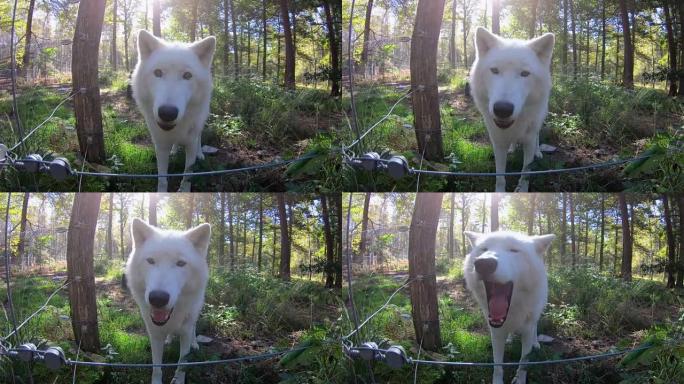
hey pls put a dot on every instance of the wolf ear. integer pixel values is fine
(141, 232)
(473, 237)
(147, 43)
(204, 49)
(543, 46)
(484, 41)
(199, 237)
(542, 243)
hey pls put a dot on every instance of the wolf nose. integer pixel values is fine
(503, 109)
(158, 299)
(485, 266)
(168, 113)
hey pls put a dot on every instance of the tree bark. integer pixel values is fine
(236, 59)
(679, 282)
(603, 230)
(338, 240)
(156, 18)
(226, 37)
(626, 269)
(26, 59)
(193, 22)
(82, 294)
(284, 239)
(422, 239)
(671, 50)
(261, 230)
(366, 37)
(494, 212)
(84, 70)
(329, 244)
(154, 199)
(533, 21)
(628, 71)
(452, 36)
(530, 213)
(231, 233)
(564, 226)
(573, 29)
(466, 26)
(450, 238)
(361, 258)
(110, 227)
(265, 37)
(496, 17)
(671, 248)
(113, 57)
(289, 47)
(22, 227)
(573, 235)
(603, 39)
(425, 98)
(335, 73)
(222, 231)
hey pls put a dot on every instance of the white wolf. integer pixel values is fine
(510, 82)
(506, 274)
(167, 274)
(172, 87)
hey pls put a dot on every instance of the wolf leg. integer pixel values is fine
(528, 340)
(162, 151)
(498, 344)
(185, 341)
(157, 345)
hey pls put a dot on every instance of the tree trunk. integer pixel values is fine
(86, 45)
(26, 60)
(231, 233)
(422, 239)
(154, 199)
(464, 225)
(530, 213)
(82, 293)
(226, 37)
(573, 235)
(452, 36)
(679, 282)
(496, 17)
(329, 244)
(603, 39)
(680, 7)
(573, 29)
(338, 240)
(236, 59)
(361, 258)
(564, 227)
(222, 231)
(289, 47)
(261, 230)
(22, 227)
(533, 21)
(263, 61)
(110, 227)
(465, 32)
(450, 238)
(335, 73)
(284, 239)
(114, 22)
(494, 212)
(424, 78)
(156, 18)
(603, 230)
(366, 37)
(193, 21)
(628, 72)
(190, 210)
(671, 248)
(626, 270)
(672, 51)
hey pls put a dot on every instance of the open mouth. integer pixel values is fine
(160, 316)
(498, 301)
(166, 126)
(503, 124)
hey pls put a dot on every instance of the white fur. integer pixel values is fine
(191, 96)
(526, 270)
(152, 265)
(529, 95)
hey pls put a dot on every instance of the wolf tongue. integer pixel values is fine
(159, 315)
(498, 304)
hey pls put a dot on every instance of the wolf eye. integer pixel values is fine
(524, 73)
(187, 75)
(494, 70)
(484, 249)
(150, 260)
(514, 250)
(158, 72)
(181, 263)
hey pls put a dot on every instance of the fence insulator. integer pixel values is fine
(395, 357)
(31, 163)
(369, 161)
(353, 353)
(369, 351)
(3, 154)
(397, 167)
(54, 358)
(60, 168)
(25, 352)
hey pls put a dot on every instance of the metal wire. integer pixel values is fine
(41, 309)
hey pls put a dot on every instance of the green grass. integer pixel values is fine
(249, 119)
(584, 306)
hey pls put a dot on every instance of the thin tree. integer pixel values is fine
(361, 258)
(335, 73)
(329, 244)
(284, 239)
(679, 282)
(156, 18)
(289, 46)
(532, 197)
(452, 36)
(494, 212)
(603, 39)
(628, 51)
(337, 203)
(222, 231)
(110, 227)
(450, 237)
(573, 234)
(236, 58)
(564, 226)
(22, 228)
(671, 248)
(261, 230)
(603, 230)
(154, 199)
(84, 72)
(113, 57)
(422, 239)
(265, 37)
(366, 38)
(425, 98)
(671, 52)
(626, 269)
(496, 17)
(573, 28)
(564, 52)
(26, 60)
(80, 247)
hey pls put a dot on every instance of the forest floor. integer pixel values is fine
(251, 123)
(587, 314)
(586, 125)
(235, 319)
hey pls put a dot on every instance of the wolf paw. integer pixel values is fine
(538, 154)
(178, 378)
(184, 186)
(520, 378)
(523, 186)
(194, 345)
(200, 155)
